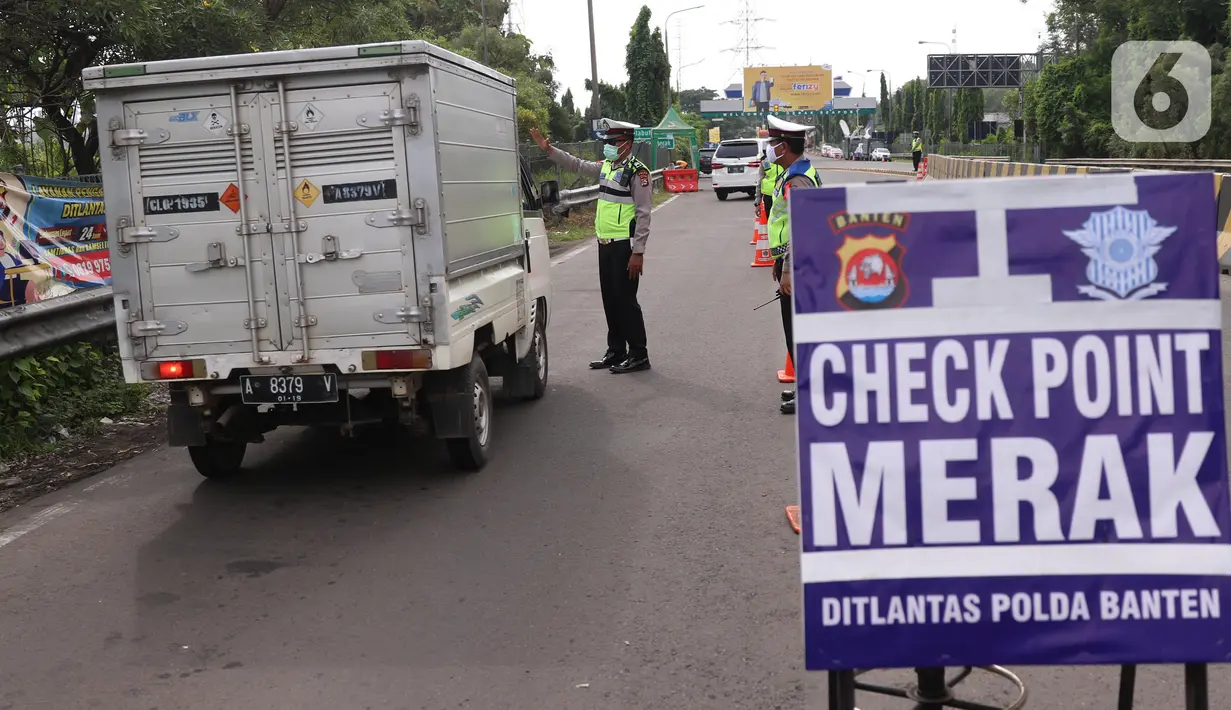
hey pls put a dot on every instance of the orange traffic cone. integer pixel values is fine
(760, 220)
(787, 374)
(761, 257)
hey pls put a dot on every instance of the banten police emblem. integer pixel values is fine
(1121, 244)
(872, 276)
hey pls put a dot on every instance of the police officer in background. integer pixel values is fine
(786, 149)
(622, 223)
(769, 176)
(916, 150)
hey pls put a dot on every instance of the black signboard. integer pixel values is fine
(360, 191)
(179, 204)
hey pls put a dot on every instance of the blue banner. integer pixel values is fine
(1010, 422)
(55, 238)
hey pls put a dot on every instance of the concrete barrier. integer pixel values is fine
(944, 167)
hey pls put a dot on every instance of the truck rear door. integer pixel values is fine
(329, 234)
(347, 261)
(187, 231)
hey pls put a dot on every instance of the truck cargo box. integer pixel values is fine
(347, 217)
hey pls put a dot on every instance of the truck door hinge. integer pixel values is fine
(124, 137)
(416, 217)
(404, 314)
(154, 328)
(215, 258)
(140, 235)
(408, 117)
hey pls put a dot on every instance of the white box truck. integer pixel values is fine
(334, 237)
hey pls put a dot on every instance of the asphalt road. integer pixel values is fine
(626, 548)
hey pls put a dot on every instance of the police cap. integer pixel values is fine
(609, 128)
(779, 128)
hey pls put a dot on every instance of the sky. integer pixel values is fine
(795, 32)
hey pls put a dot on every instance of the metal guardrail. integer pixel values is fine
(585, 195)
(1222, 166)
(85, 314)
(65, 319)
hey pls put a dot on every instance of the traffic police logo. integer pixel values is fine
(872, 276)
(1121, 244)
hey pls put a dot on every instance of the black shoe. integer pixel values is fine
(788, 395)
(608, 360)
(632, 364)
(788, 407)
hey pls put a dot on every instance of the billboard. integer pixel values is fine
(54, 238)
(768, 89)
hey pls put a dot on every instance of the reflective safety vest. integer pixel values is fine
(779, 217)
(916, 146)
(613, 218)
(772, 171)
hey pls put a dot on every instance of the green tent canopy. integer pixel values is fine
(665, 133)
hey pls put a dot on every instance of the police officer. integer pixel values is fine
(786, 149)
(622, 223)
(769, 176)
(916, 150)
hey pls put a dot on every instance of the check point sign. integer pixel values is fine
(1010, 423)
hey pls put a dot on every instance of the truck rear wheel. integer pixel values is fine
(537, 358)
(469, 453)
(218, 459)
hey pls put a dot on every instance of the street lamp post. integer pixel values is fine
(948, 92)
(667, 44)
(594, 107)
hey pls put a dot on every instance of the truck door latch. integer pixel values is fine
(329, 252)
(215, 258)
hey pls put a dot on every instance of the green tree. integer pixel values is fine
(690, 99)
(886, 106)
(648, 71)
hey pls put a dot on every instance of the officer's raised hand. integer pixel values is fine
(538, 138)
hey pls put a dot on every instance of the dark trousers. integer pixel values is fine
(767, 201)
(916, 156)
(625, 324)
(785, 304)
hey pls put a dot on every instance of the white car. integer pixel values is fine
(881, 154)
(737, 166)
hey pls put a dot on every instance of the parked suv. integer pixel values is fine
(737, 166)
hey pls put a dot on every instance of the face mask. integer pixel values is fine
(772, 153)
(610, 152)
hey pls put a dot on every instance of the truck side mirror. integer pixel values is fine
(549, 192)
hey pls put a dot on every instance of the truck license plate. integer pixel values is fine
(736, 169)
(288, 389)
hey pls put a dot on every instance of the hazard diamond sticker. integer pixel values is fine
(215, 123)
(306, 193)
(230, 198)
(310, 117)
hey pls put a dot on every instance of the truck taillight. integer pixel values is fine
(397, 359)
(173, 370)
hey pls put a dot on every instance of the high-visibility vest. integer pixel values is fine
(779, 216)
(772, 171)
(613, 218)
(916, 146)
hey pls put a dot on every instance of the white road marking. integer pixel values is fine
(35, 522)
(578, 250)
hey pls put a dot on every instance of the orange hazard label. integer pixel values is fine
(230, 198)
